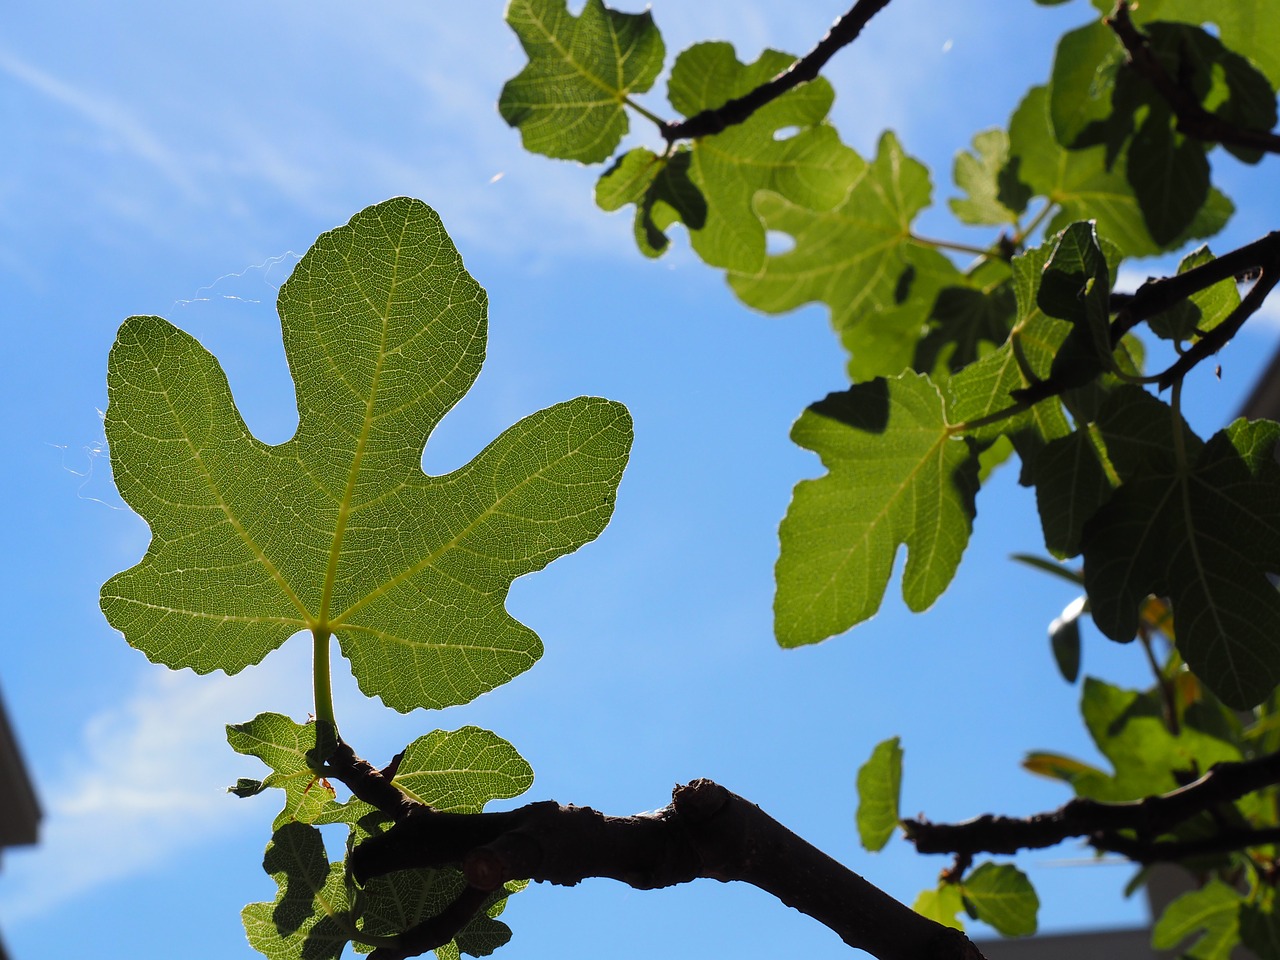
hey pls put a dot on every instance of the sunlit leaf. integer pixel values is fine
(896, 475)
(879, 785)
(337, 530)
(1210, 915)
(568, 101)
(855, 258)
(1200, 525)
(785, 147)
(994, 193)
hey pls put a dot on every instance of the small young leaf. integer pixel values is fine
(941, 905)
(896, 476)
(1057, 767)
(286, 747)
(1075, 286)
(811, 168)
(879, 786)
(1002, 896)
(568, 101)
(1211, 914)
(462, 770)
(661, 190)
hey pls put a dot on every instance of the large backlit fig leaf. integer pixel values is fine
(856, 258)
(568, 101)
(338, 530)
(1199, 524)
(897, 474)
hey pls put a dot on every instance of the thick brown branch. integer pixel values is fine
(843, 32)
(1193, 119)
(1099, 822)
(706, 832)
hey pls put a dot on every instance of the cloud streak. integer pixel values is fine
(146, 781)
(109, 116)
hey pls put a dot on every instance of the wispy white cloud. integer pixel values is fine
(146, 781)
(113, 119)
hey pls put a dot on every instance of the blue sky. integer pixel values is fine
(174, 159)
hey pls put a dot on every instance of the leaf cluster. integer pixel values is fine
(1027, 350)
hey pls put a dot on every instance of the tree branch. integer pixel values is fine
(1193, 119)
(1259, 259)
(1100, 822)
(843, 32)
(706, 832)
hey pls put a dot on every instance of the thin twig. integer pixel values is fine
(1098, 821)
(843, 32)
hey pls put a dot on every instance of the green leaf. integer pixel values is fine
(1002, 896)
(854, 257)
(288, 748)
(1072, 484)
(662, 191)
(1169, 174)
(1075, 286)
(785, 147)
(1211, 914)
(941, 905)
(1202, 529)
(1260, 930)
(311, 916)
(1087, 184)
(1131, 731)
(338, 530)
(984, 389)
(896, 475)
(995, 195)
(569, 100)
(462, 770)
(1083, 77)
(1055, 766)
(971, 315)
(1200, 312)
(879, 786)
(1064, 637)
(1248, 27)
